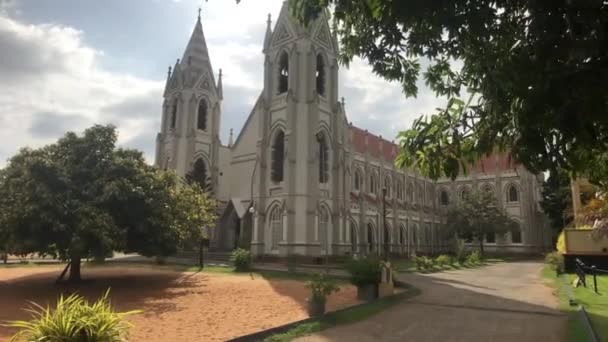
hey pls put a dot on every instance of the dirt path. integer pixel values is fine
(501, 302)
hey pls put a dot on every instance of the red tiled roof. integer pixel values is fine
(376, 145)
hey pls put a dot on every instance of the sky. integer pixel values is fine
(68, 64)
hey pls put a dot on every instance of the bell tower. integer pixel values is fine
(300, 139)
(191, 113)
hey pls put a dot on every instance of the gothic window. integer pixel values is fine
(399, 189)
(323, 159)
(353, 236)
(278, 157)
(410, 192)
(402, 234)
(283, 73)
(276, 227)
(198, 175)
(357, 180)
(387, 186)
(512, 194)
(516, 235)
(173, 121)
(201, 122)
(464, 193)
(323, 224)
(487, 188)
(430, 195)
(320, 75)
(415, 235)
(373, 183)
(444, 197)
(370, 237)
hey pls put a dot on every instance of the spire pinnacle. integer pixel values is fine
(230, 139)
(220, 91)
(268, 35)
(199, 13)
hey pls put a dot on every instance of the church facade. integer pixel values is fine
(300, 179)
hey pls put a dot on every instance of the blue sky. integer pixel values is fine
(67, 64)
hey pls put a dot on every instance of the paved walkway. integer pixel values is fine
(500, 302)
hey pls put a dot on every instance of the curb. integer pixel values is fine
(261, 335)
(588, 325)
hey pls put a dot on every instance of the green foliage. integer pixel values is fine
(241, 259)
(519, 59)
(364, 271)
(321, 287)
(556, 260)
(443, 260)
(84, 197)
(557, 199)
(461, 252)
(423, 262)
(474, 258)
(478, 215)
(74, 320)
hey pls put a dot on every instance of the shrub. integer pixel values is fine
(423, 262)
(74, 319)
(474, 258)
(321, 287)
(561, 242)
(443, 260)
(364, 271)
(241, 259)
(461, 252)
(556, 260)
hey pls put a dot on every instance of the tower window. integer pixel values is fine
(323, 159)
(358, 180)
(276, 227)
(512, 194)
(283, 73)
(202, 115)
(444, 198)
(173, 115)
(373, 183)
(387, 186)
(278, 157)
(320, 75)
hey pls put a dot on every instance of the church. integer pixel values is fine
(301, 179)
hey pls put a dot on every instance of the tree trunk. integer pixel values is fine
(74, 270)
(200, 254)
(481, 246)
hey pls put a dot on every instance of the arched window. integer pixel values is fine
(444, 197)
(173, 121)
(198, 175)
(283, 73)
(399, 189)
(387, 186)
(201, 122)
(357, 180)
(320, 75)
(373, 183)
(430, 195)
(278, 157)
(370, 237)
(323, 224)
(487, 188)
(516, 235)
(512, 194)
(353, 237)
(276, 227)
(323, 159)
(464, 193)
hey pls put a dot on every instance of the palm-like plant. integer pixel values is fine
(74, 320)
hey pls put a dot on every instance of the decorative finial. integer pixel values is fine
(220, 73)
(342, 100)
(199, 13)
(269, 21)
(169, 71)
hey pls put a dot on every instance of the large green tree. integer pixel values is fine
(522, 75)
(477, 216)
(557, 199)
(84, 197)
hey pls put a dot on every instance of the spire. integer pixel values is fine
(268, 36)
(196, 54)
(230, 139)
(220, 91)
(168, 79)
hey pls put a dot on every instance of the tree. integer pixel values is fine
(557, 199)
(477, 216)
(83, 197)
(533, 75)
(198, 178)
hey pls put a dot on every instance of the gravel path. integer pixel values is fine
(500, 302)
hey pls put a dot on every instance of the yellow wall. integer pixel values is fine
(579, 241)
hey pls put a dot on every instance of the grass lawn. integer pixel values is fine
(595, 304)
(347, 316)
(408, 265)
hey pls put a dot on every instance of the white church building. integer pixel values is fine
(301, 179)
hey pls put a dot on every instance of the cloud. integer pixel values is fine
(52, 82)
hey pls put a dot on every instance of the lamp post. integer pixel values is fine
(386, 237)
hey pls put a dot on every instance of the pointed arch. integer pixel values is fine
(275, 226)
(173, 119)
(354, 237)
(199, 174)
(444, 197)
(402, 234)
(320, 75)
(370, 236)
(323, 158)
(201, 119)
(512, 193)
(358, 179)
(278, 157)
(324, 223)
(463, 192)
(399, 189)
(283, 73)
(373, 182)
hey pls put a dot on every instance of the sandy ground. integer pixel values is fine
(177, 306)
(503, 302)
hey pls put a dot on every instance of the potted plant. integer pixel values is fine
(365, 274)
(320, 287)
